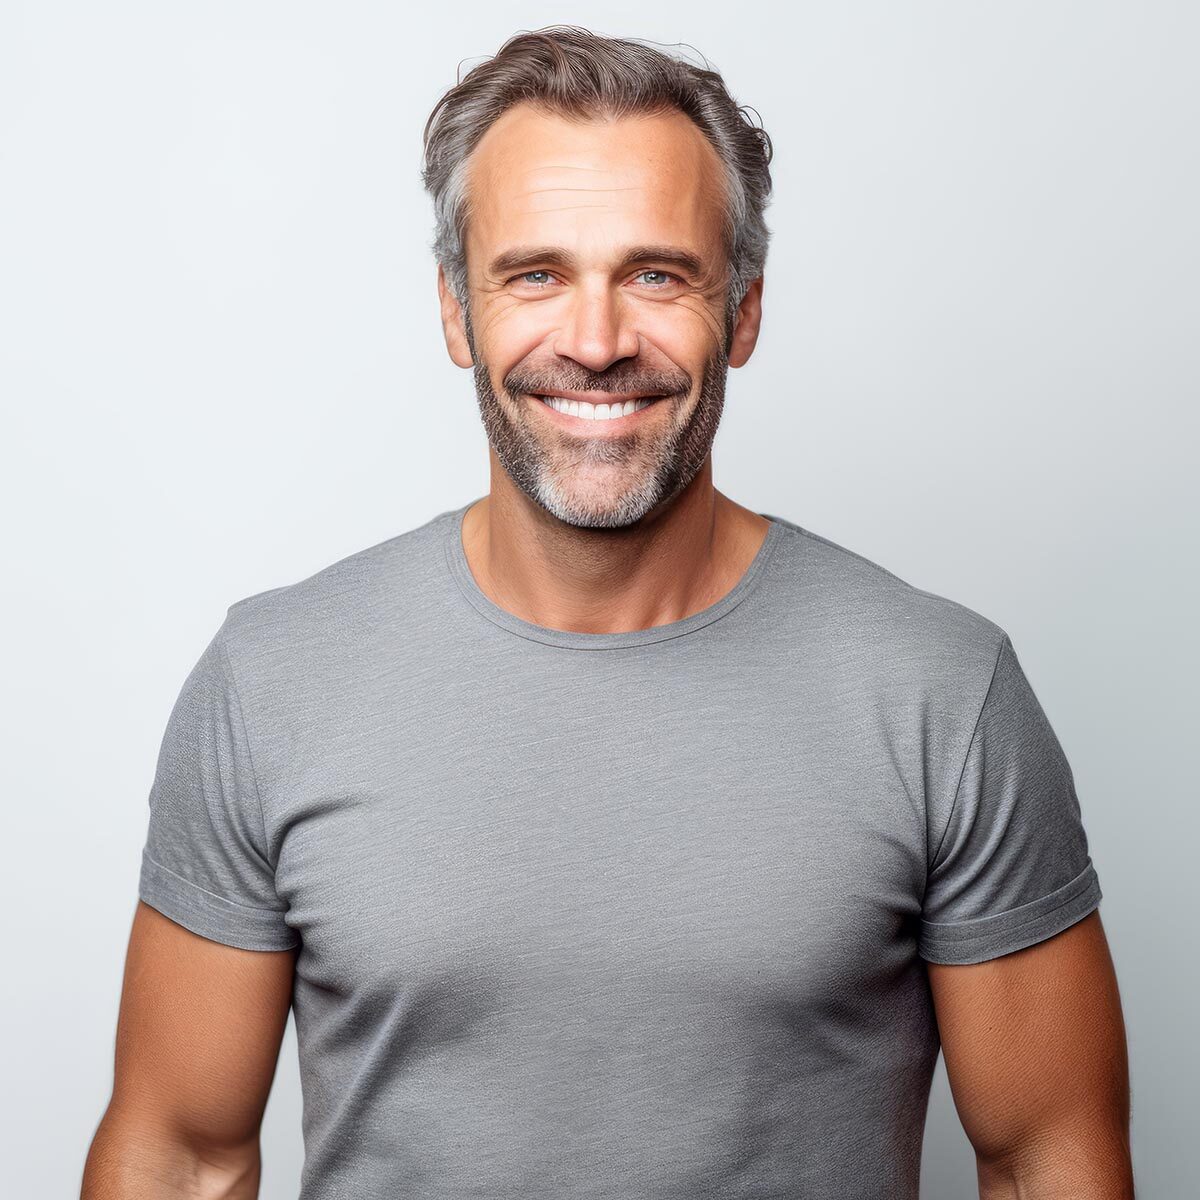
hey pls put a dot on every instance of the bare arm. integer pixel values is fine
(1034, 1043)
(198, 1039)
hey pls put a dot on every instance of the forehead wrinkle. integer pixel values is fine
(566, 207)
(633, 187)
(567, 167)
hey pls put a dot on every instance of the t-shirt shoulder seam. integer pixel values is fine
(967, 753)
(227, 666)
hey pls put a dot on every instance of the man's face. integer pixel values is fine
(596, 269)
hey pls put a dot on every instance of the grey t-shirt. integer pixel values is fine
(613, 915)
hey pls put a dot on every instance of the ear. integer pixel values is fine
(745, 331)
(452, 323)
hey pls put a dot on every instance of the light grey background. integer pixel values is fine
(222, 368)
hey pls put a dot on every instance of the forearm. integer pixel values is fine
(1099, 1168)
(132, 1159)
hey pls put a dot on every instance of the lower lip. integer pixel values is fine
(585, 424)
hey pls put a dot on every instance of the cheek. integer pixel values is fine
(510, 333)
(687, 333)
(702, 327)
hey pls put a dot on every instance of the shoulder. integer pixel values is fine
(366, 595)
(858, 614)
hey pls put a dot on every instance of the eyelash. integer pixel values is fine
(643, 271)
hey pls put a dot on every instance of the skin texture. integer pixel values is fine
(1034, 1044)
(198, 1037)
(586, 527)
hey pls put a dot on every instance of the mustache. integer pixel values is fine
(619, 383)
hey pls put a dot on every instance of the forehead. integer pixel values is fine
(539, 177)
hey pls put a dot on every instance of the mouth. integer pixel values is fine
(602, 411)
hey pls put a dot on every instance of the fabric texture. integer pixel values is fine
(627, 915)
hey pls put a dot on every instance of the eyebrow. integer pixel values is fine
(526, 256)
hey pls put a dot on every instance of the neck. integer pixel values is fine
(674, 562)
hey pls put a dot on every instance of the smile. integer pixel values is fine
(583, 410)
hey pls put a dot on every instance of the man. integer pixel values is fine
(609, 838)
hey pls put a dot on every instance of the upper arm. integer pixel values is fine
(1034, 1045)
(211, 959)
(1019, 968)
(198, 1033)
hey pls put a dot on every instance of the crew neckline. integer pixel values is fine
(456, 559)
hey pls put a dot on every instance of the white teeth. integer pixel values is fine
(595, 412)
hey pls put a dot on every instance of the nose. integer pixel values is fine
(598, 330)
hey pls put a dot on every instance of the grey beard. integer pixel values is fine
(670, 463)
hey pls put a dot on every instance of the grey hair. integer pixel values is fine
(572, 72)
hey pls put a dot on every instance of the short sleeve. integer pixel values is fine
(204, 863)
(1013, 866)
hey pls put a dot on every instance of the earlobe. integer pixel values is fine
(453, 328)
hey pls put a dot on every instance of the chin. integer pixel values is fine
(592, 510)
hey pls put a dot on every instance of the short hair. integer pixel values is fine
(573, 72)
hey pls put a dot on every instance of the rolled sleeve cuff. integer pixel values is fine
(210, 915)
(959, 942)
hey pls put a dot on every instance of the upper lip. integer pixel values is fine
(601, 397)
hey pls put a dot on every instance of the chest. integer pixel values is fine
(613, 832)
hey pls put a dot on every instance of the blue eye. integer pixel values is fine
(655, 271)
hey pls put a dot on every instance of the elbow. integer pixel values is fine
(133, 1158)
(1096, 1165)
